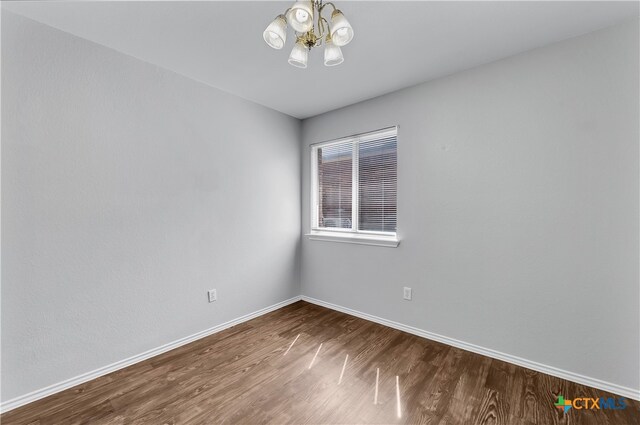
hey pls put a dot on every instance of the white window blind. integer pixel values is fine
(355, 184)
(335, 178)
(377, 183)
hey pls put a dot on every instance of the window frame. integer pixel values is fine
(352, 235)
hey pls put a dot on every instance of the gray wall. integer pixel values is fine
(127, 192)
(518, 208)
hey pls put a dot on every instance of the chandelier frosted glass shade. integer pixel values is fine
(276, 33)
(300, 17)
(308, 19)
(332, 54)
(299, 55)
(341, 31)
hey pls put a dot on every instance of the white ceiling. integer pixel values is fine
(396, 44)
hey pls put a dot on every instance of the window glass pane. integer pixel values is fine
(334, 185)
(377, 174)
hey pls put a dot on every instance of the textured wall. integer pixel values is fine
(518, 208)
(127, 192)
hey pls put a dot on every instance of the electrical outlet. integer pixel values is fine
(212, 295)
(407, 293)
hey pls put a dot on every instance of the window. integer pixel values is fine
(354, 196)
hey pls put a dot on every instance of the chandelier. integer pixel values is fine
(311, 30)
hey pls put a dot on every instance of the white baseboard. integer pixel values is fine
(539, 367)
(61, 386)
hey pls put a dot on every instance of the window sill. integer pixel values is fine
(355, 238)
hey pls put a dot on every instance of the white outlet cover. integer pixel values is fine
(407, 293)
(212, 295)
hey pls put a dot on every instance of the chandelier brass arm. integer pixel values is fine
(322, 5)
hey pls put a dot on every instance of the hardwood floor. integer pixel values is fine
(251, 373)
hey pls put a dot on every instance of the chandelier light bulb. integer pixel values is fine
(341, 31)
(300, 16)
(299, 55)
(276, 33)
